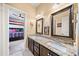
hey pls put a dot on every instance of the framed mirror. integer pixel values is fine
(62, 23)
(39, 26)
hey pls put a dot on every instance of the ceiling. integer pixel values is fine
(37, 4)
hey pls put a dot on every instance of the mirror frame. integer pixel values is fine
(46, 27)
(41, 19)
(70, 21)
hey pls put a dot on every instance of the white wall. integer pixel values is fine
(0, 29)
(4, 31)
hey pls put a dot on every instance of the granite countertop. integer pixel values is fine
(60, 47)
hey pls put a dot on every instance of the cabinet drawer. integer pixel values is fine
(36, 54)
(43, 51)
(46, 52)
(36, 44)
(53, 54)
(36, 49)
(30, 44)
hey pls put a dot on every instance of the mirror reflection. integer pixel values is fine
(61, 24)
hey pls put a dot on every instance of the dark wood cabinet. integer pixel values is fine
(43, 51)
(30, 44)
(35, 53)
(39, 50)
(52, 53)
(36, 44)
(36, 49)
(46, 52)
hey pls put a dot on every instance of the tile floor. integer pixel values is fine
(16, 48)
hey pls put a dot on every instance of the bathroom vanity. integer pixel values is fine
(49, 46)
(39, 50)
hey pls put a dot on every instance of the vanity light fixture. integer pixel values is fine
(39, 16)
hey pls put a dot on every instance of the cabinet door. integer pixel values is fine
(36, 49)
(30, 44)
(46, 52)
(43, 51)
(53, 54)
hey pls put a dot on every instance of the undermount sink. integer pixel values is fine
(57, 46)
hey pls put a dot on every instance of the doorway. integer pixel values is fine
(18, 33)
